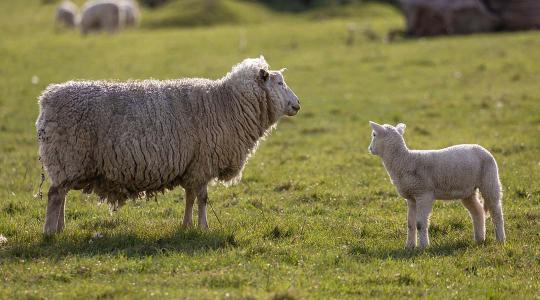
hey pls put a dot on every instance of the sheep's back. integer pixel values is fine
(132, 140)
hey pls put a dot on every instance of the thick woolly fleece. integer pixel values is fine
(455, 172)
(125, 139)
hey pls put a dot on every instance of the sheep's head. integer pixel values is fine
(384, 136)
(278, 91)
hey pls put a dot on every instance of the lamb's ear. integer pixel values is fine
(401, 128)
(376, 127)
(263, 74)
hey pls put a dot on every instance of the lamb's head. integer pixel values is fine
(278, 91)
(385, 136)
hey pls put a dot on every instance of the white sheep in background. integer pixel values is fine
(101, 15)
(66, 14)
(123, 140)
(131, 11)
(108, 15)
(456, 172)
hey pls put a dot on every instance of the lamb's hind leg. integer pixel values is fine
(478, 217)
(492, 198)
(202, 199)
(56, 198)
(188, 213)
(492, 194)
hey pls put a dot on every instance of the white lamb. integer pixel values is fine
(456, 172)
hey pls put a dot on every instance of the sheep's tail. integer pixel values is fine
(40, 188)
(40, 134)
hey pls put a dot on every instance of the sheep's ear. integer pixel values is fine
(282, 70)
(376, 127)
(263, 74)
(401, 128)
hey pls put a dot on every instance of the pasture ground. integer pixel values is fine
(315, 215)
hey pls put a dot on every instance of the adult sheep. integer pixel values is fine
(123, 140)
(131, 12)
(66, 14)
(109, 15)
(102, 15)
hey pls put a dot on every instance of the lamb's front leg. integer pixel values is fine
(424, 205)
(411, 224)
(202, 199)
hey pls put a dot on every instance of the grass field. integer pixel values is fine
(316, 216)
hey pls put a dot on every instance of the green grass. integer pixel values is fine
(315, 216)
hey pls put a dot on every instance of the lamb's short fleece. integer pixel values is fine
(456, 172)
(123, 140)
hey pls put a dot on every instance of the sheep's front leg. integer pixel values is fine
(61, 218)
(56, 197)
(188, 213)
(424, 205)
(411, 224)
(202, 199)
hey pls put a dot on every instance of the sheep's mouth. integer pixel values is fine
(292, 113)
(293, 110)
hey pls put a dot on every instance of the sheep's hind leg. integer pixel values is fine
(202, 199)
(56, 198)
(424, 205)
(411, 224)
(188, 213)
(478, 217)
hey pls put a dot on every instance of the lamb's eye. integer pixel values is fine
(280, 83)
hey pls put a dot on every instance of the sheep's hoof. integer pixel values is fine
(410, 247)
(480, 241)
(49, 231)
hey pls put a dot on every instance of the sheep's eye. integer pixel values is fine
(280, 83)
(374, 135)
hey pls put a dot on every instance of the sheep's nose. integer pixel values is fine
(296, 107)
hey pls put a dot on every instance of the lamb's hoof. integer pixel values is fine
(410, 247)
(423, 247)
(204, 227)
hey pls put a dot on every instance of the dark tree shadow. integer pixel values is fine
(188, 241)
(298, 6)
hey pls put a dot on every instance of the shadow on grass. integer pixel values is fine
(129, 244)
(445, 249)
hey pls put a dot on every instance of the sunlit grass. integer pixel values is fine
(315, 215)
